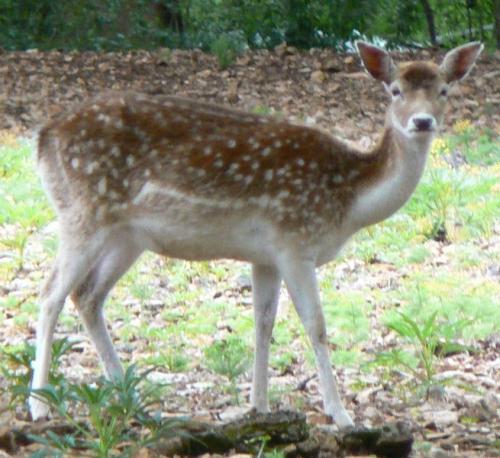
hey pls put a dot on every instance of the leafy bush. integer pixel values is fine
(126, 24)
(90, 24)
(229, 358)
(226, 48)
(16, 367)
(120, 418)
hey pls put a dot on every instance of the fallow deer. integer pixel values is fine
(131, 172)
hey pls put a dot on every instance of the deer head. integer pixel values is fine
(418, 89)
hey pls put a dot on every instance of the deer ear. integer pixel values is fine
(376, 61)
(458, 62)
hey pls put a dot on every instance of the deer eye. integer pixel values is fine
(396, 92)
(443, 92)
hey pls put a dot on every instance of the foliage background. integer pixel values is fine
(129, 24)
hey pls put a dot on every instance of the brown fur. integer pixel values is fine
(419, 74)
(281, 157)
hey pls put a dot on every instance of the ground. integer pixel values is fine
(167, 312)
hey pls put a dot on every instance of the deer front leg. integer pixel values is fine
(300, 280)
(265, 289)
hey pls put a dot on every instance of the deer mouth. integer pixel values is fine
(427, 130)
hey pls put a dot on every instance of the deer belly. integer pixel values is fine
(200, 238)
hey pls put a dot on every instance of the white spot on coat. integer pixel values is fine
(233, 167)
(103, 118)
(130, 160)
(91, 168)
(283, 194)
(102, 186)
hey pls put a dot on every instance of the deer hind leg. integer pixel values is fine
(89, 297)
(300, 280)
(74, 260)
(265, 288)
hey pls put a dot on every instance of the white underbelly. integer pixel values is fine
(248, 239)
(197, 228)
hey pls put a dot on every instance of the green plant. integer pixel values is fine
(456, 200)
(119, 413)
(345, 357)
(16, 367)
(444, 191)
(426, 340)
(173, 359)
(423, 338)
(486, 150)
(141, 291)
(418, 254)
(283, 361)
(273, 453)
(467, 309)
(226, 47)
(22, 201)
(348, 315)
(230, 358)
(263, 110)
(18, 244)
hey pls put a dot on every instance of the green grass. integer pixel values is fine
(171, 311)
(22, 201)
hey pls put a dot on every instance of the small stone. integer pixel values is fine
(437, 452)
(233, 412)
(441, 418)
(318, 76)
(244, 283)
(167, 378)
(372, 413)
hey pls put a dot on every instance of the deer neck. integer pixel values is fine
(400, 162)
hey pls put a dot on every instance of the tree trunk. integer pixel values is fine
(429, 16)
(170, 15)
(495, 7)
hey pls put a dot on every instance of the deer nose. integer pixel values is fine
(423, 122)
